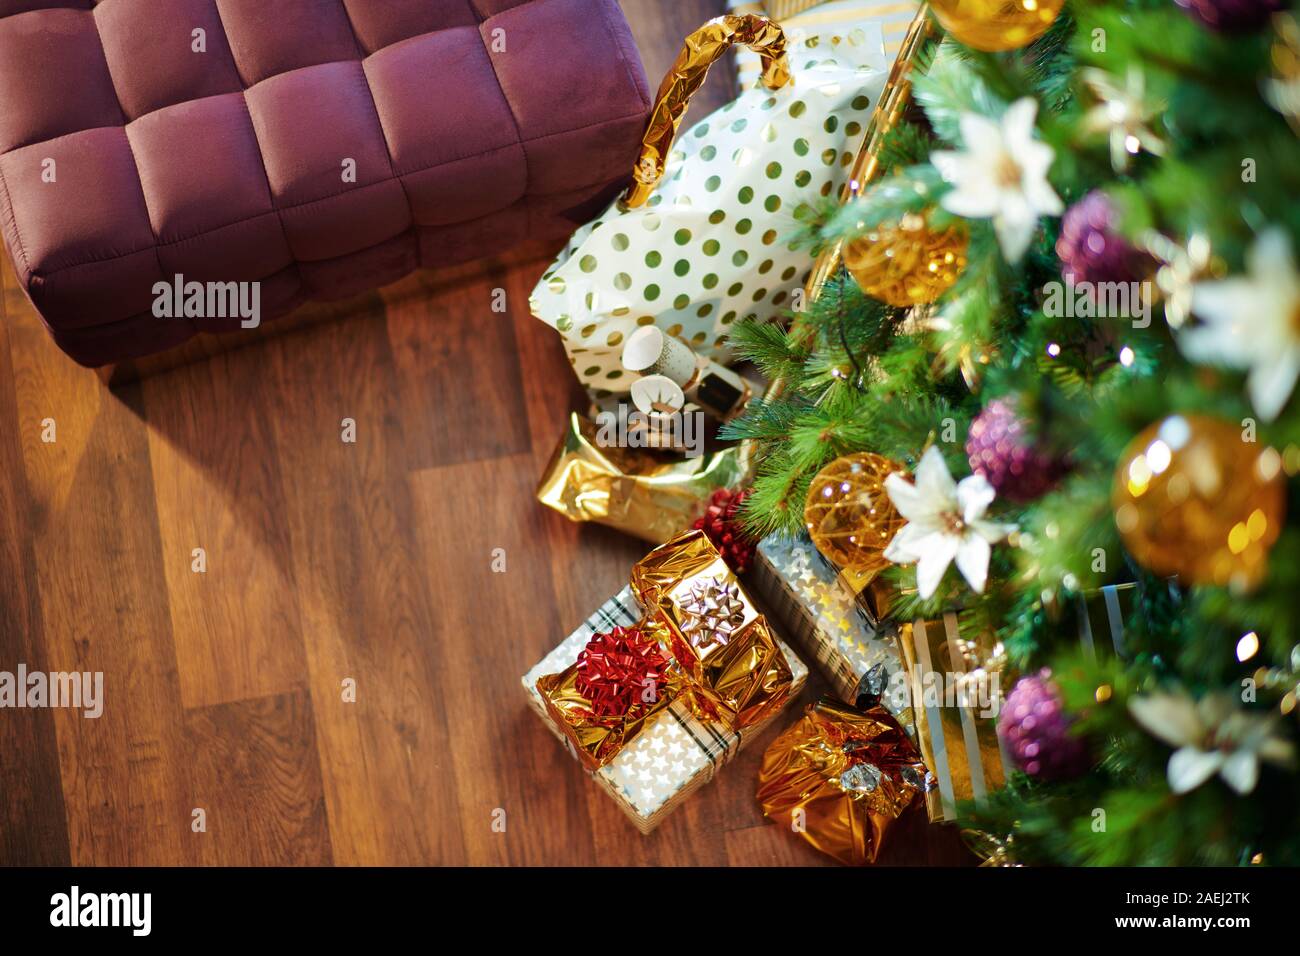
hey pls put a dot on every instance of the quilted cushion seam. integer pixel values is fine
(309, 202)
(261, 156)
(383, 136)
(12, 217)
(519, 136)
(130, 149)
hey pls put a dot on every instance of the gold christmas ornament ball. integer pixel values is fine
(849, 515)
(1194, 497)
(996, 25)
(906, 263)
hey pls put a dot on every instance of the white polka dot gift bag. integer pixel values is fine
(701, 239)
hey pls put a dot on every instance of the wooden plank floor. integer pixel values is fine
(327, 564)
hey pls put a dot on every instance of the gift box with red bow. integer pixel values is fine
(666, 681)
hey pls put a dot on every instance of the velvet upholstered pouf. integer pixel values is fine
(213, 139)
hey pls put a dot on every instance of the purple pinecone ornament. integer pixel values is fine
(1090, 249)
(1233, 16)
(1036, 731)
(999, 448)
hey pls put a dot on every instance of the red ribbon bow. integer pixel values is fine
(616, 670)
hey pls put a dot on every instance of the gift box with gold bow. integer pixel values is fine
(666, 681)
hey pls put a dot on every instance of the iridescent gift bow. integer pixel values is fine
(700, 50)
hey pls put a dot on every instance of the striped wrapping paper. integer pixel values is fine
(805, 19)
(674, 755)
(958, 738)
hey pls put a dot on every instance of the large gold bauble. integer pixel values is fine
(995, 25)
(849, 515)
(906, 263)
(1192, 498)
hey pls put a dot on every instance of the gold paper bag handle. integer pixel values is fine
(700, 50)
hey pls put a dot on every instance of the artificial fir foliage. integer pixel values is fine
(1165, 118)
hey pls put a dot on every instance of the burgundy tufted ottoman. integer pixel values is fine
(320, 147)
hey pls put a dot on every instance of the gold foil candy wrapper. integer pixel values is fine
(687, 75)
(638, 492)
(851, 774)
(739, 681)
(596, 740)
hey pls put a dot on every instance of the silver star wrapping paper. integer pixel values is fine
(827, 624)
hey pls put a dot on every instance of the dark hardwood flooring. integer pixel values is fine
(326, 562)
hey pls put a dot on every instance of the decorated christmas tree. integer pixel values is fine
(1068, 325)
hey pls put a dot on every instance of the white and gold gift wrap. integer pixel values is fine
(825, 23)
(826, 623)
(958, 738)
(712, 245)
(671, 757)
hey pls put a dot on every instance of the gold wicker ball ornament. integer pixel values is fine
(1193, 498)
(849, 515)
(906, 263)
(995, 25)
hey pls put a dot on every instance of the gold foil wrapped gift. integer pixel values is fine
(672, 753)
(958, 680)
(736, 673)
(1099, 617)
(642, 493)
(957, 685)
(725, 662)
(841, 778)
(821, 616)
(597, 739)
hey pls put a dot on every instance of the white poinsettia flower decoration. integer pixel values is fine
(1001, 175)
(945, 522)
(1253, 322)
(1212, 735)
(1125, 114)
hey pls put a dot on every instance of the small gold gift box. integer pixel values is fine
(735, 671)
